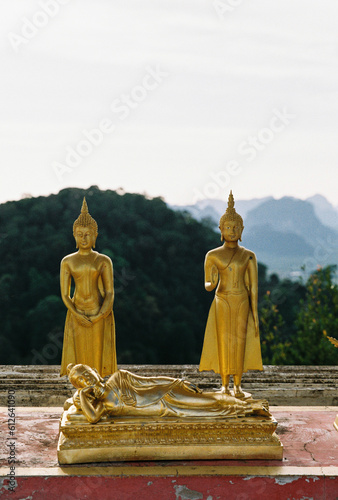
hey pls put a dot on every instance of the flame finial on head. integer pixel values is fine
(231, 201)
(230, 213)
(84, 208)
(85, 219)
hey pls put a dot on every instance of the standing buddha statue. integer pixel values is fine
(89, 335)
(231, 342)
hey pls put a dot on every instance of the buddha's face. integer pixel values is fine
(232, 230)
(84, 237)
(84, 378)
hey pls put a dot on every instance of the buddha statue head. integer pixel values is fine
(83, 375)
(85, 227)
(232, 217)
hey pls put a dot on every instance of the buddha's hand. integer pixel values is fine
(96, 318)
(214, 276)
(88, 392)
(76, 400)
(211, 275)
(99, 391)
(83, 319)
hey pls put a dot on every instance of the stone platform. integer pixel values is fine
(309, 468)
(41, 385)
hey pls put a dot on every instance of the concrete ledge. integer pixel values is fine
(309, 468)
(165, 470)
(41, 385)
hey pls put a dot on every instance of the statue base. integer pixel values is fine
(167, 438)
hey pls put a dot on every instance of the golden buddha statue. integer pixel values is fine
(125, 394)
(231, 342)
(89, 335)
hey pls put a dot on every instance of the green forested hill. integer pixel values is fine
(161, 306)
(160, 302)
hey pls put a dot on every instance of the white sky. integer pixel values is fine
(226, 78)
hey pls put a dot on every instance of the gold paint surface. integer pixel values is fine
(125, 394)
(89, 335)
(231, 341)
(168, 439)
(131, 417)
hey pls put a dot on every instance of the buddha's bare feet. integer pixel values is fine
(238, 393)
(225, 390)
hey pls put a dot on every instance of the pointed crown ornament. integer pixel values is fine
(230, 214)
(85, 219)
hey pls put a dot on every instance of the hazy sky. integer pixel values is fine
(193, 97)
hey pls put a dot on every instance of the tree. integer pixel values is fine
(271, 326)
(317, 318)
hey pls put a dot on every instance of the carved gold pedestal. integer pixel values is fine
(128, 439)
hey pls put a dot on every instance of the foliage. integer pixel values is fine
(278, 308)
(271, 326)
(161, 306)
(316, 320)
(160, 303)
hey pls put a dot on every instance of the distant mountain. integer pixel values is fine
(290, 215)
(213, 209)
(243, 207)
(286, 234)
(326, 213)
(265, 239)
(199, 213)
